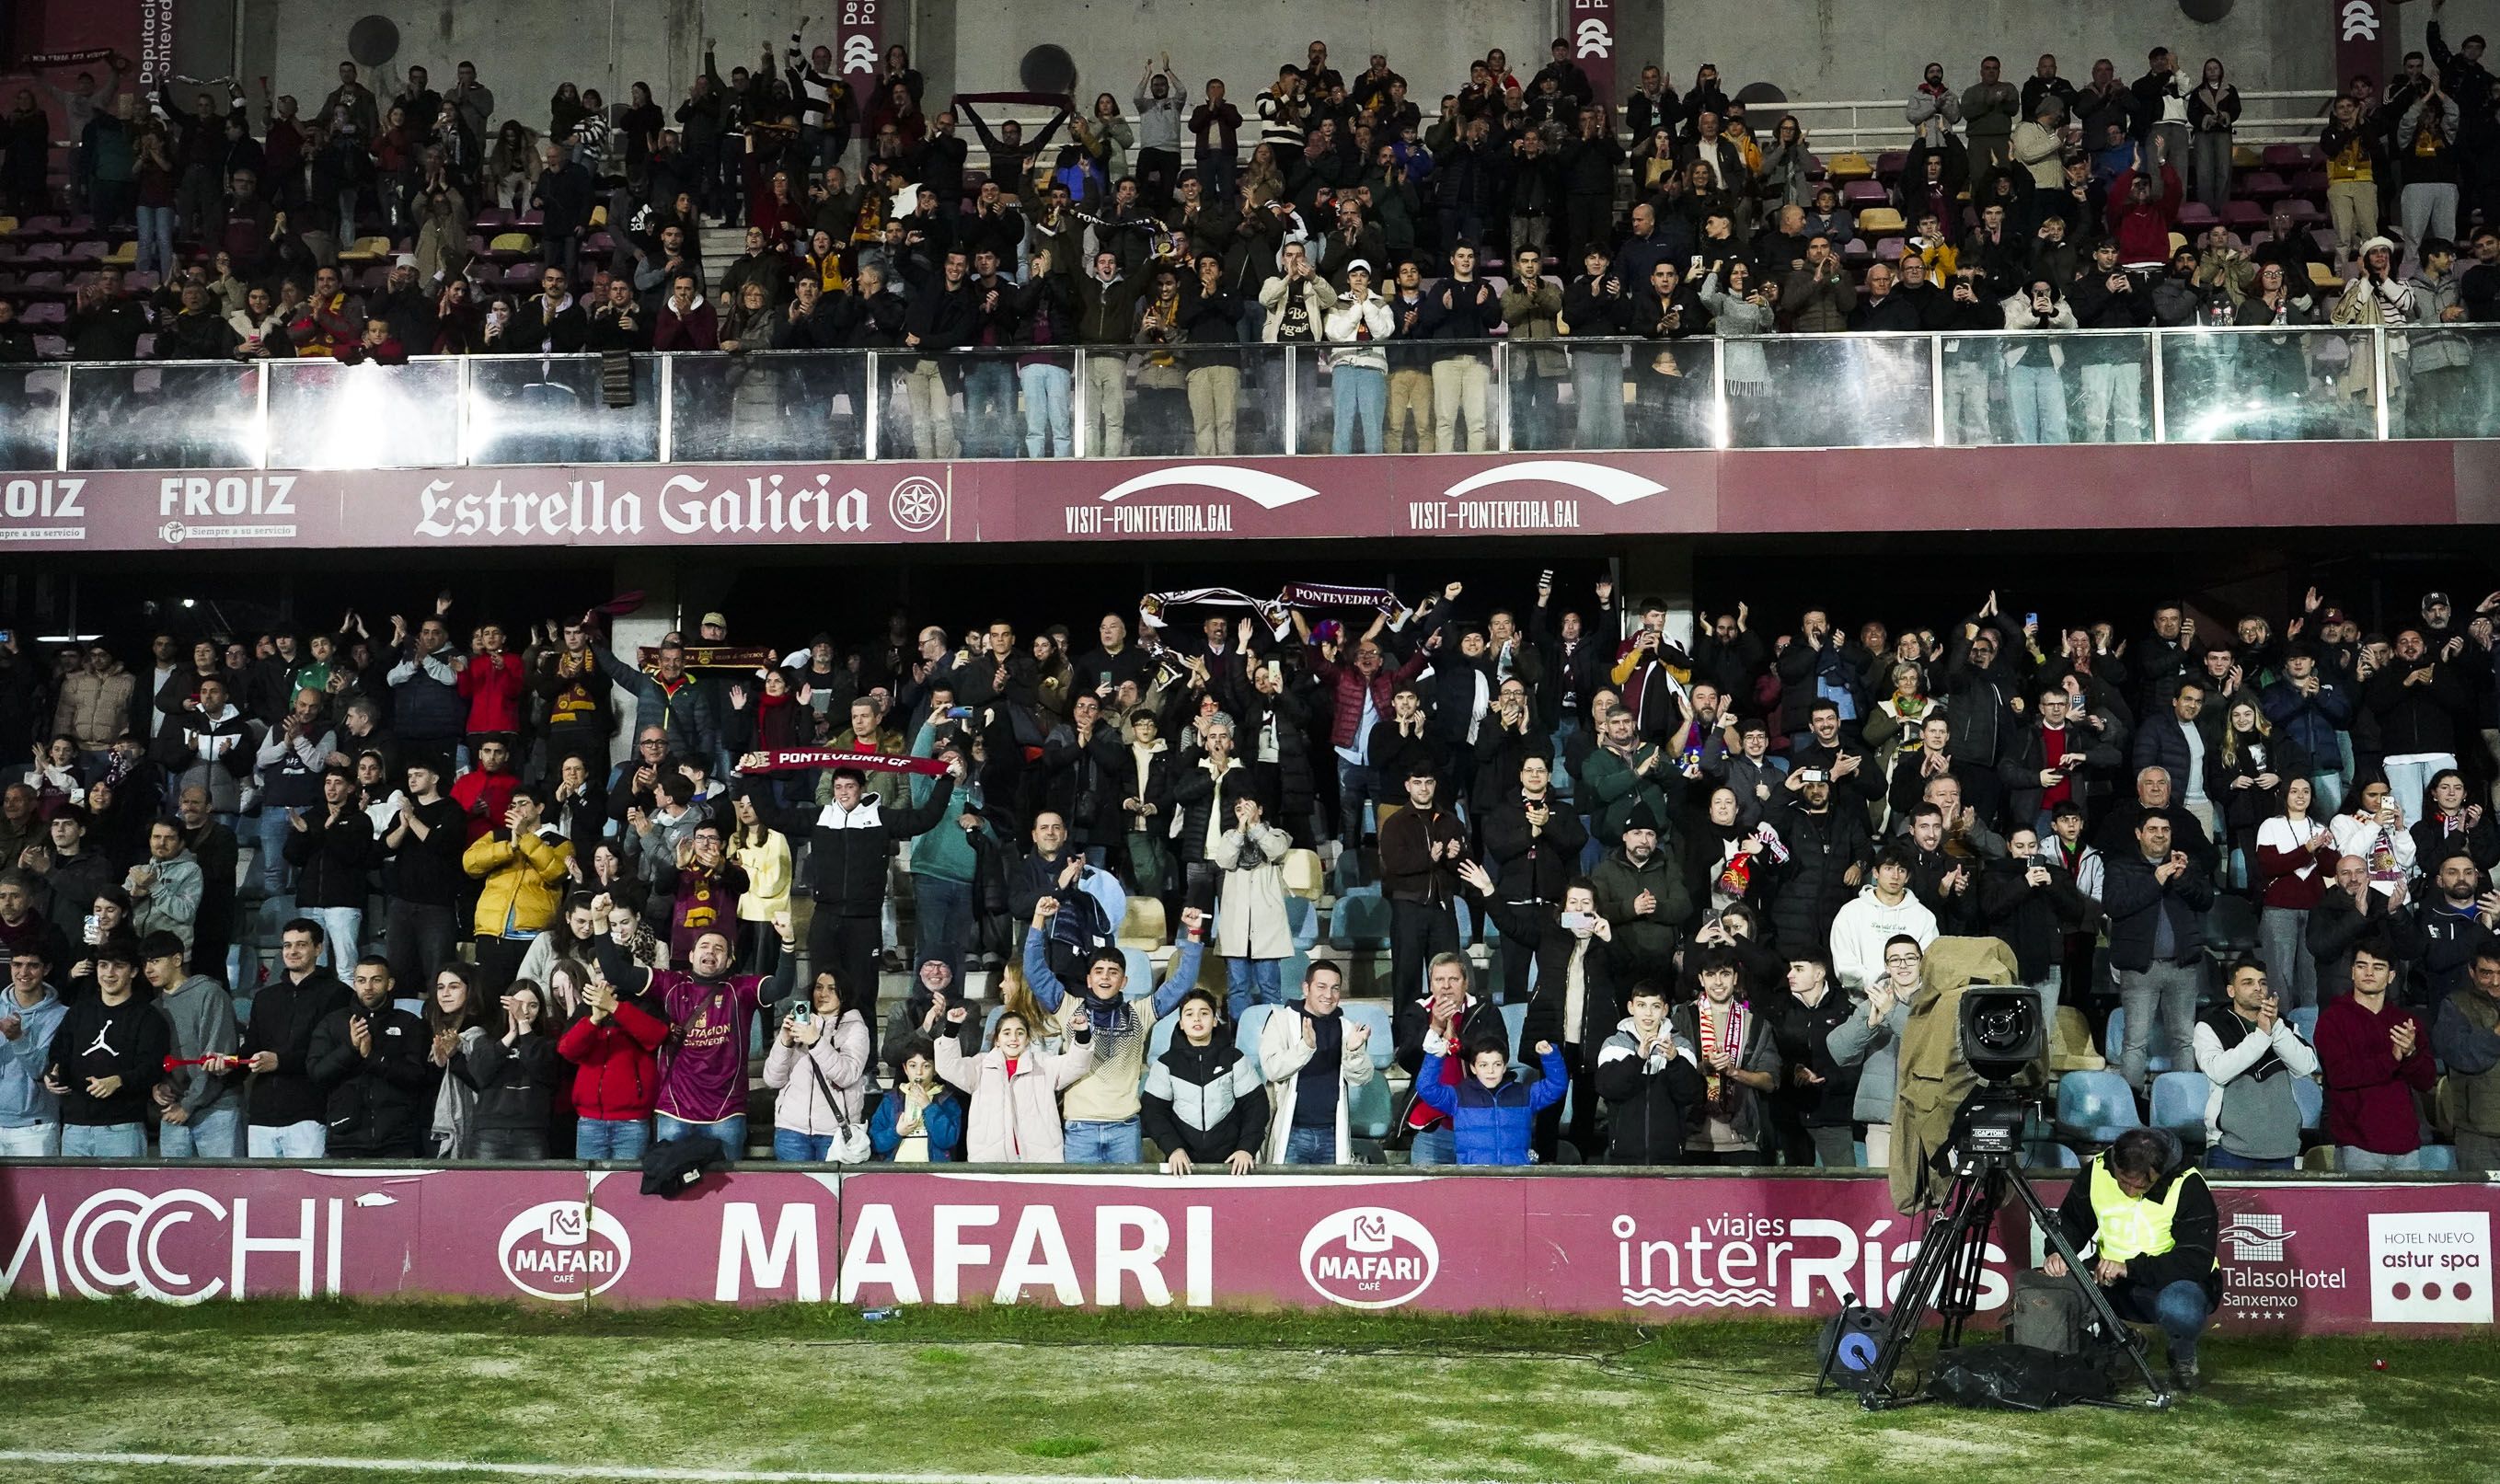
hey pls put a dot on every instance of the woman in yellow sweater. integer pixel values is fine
(764, 854)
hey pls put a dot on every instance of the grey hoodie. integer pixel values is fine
(200, 1015)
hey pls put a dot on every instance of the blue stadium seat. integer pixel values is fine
(2179, 1104)
(1159, 1040)
(1253, 1021)
(1368, 1110)
(2097, 1104)
(990, 1025)
(1303, 915)
(2311, 1099)
(2439, 1156)
(2049, 1154)
(409, 1004)
(1141, 969)
(2157, 1053)
(1359, 921)
(1383, 1039)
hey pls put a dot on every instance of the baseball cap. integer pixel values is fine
(713, 621)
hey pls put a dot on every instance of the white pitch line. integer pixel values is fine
(661, 1475)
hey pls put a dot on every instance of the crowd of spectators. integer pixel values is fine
(1720, 881)
(1323, 209)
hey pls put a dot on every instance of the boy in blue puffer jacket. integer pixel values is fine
(1491, 1114)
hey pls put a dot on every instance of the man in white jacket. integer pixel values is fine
(2253, 1056)
(1295, 1051)
(1884, 908)
(1359, 373)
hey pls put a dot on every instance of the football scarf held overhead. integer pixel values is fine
(1277, 611)
(789, 759)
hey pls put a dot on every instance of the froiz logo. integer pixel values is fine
(1595, 41)
(2360, 20)
(564, 1250)
(1370, 1258)
(1267, 491)
(1615, 487)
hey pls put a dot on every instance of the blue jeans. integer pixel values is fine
(2178, 1309)
(274, 873)
(1250, 980)
(792, 1147)
(109, 1141)
(1048, 430)
(1362, 408)
(157, 242)
(1312, 1146)
(2038, 400)
(1434, 1146)
(989, 406)
(213, 1133)
(309, 1139)
(610, 1139)
(2351, 1161)
(2329, 789)
(1103, 1143)
(1356, 782)
(2220, 1158)
(945, 923)
(342, 927)
(729, 1131)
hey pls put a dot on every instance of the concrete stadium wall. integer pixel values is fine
(1810, 49)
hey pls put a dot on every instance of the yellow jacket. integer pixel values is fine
(524, 881)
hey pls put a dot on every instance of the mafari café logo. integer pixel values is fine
(564, 1250)
(1369, 1257)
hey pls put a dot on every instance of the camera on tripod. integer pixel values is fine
(2003, 1038)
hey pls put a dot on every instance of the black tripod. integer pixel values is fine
(1983, 1155)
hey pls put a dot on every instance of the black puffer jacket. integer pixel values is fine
(1651, 1101)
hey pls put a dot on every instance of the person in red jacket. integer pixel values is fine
(492, 681)
(484, 793)
(686, 322)
(2139, 221)
(614, 1047)
(2375, 1057)
(1363, 690)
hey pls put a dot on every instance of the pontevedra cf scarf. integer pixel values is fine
(786, 759)
(1277, 611)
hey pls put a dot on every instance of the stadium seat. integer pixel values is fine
(2049, 1154)
(1383, 1039)
(2099, 1105)
(511, 243)
(2196, 215)
(123, 255)
(1860, 196)
(1142, 925)
(1361, 920)
(2311, 1099)
(367, 249)
(2438, 1157)
(1159, 1040)
(990, 1024)
(2156, 1051)
(1848, 166)
(2231, 926)
(2070, 1043)
(1304, 874)
(1253, 1020)
(1302, 919)
(2281, 157)
(2179, 1104)
(2318, 1159)
(2265, 185)
(1892, 163)
(411, 1004)
(1140, 968)
(2246, 216)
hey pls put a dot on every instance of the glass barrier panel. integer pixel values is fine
(1838, 391)
(561, 410)
(30, 416)
(2447, 382)
(165, 414)
(324, 414)
(2268, 383)
(777, 406)
(2029, 386)
(1182, 400)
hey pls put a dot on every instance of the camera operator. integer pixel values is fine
(2151, 1224)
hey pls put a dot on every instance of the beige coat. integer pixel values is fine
(1933, 1079)
(1282, 1056)
(94, 708)
(1012, 1119)
(1250, 913)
